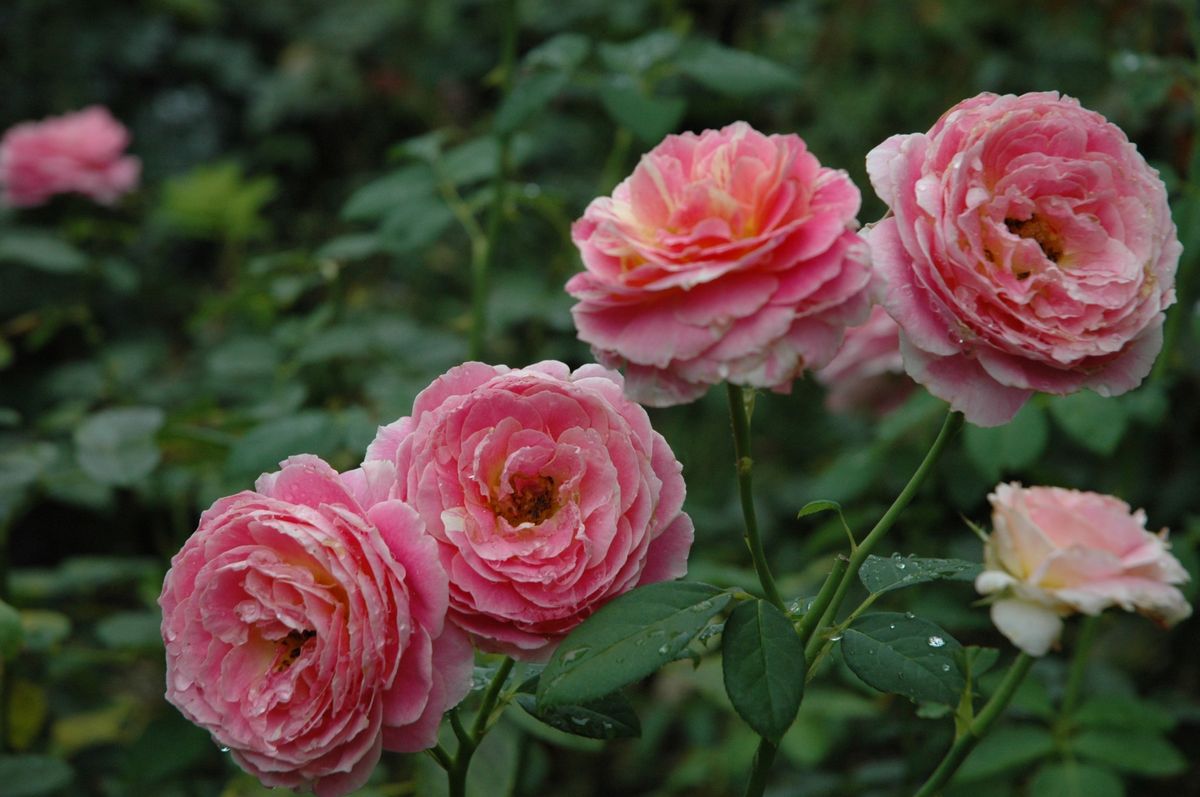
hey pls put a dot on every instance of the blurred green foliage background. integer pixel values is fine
(296, 266)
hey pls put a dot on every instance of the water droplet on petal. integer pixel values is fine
(224, 749)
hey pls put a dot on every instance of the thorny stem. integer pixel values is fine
(971, 735)
(739, 413)
(951, 426)
(468, 741)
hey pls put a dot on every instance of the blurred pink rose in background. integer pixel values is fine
(725, 256)
(81, 152)
(547, 491)
(868, 372)
(1030, 248)
(304, 627)
(1054, 552)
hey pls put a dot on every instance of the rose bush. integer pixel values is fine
(81, 152)
(1030, 248)
(725, 256)
(867, 372)
(1053, 552)
(304, 627)
(548, 494)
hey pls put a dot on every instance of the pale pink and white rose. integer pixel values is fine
(548, 494)
(868, 372)
(1055, 552)
(305, 627)
(726, 256)
(81, 152)
(1029, 248)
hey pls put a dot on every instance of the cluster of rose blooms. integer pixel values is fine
(326, 616)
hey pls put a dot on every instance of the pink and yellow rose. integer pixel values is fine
(304, 627)
(1029, 248)
(547, 493)
(1054, 552)
(725, 256)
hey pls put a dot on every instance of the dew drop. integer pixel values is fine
(580, 721)
(663, 650)
(571, 655)
(945, 668)
(900, 566)
(835, 638)
(224, 749)
(936, 642)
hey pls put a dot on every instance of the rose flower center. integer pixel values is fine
(531, 500)
(1036, 228)
(290, 647)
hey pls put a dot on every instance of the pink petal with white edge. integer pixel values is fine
(963, 383)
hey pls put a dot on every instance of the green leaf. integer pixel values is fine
(734, 72)
(1015, 445)
(650, 118)
(399, 189)
(763, 663)
(1123, 712)
(638, 55)
(627, 639)
(11, 632)
(904, 655)
(412, 227)
(813, 507)
(117, 446)
(262, 448)
(978, 660)
(1072, 779)
(40, 251)
(563, 52)
(355, 246)
(1005, 749)
(33, 775)
(1130, 750)
(1094, 422)
(42, 629)
(130, 631)
(21, 465)
(531, 94)
(881, 574)
(608, 717)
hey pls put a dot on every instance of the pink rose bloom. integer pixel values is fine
(1054, 552)
(1030, 247)
(548, 494)
(868, 371)
(725, 256)
(304, 627)
(81, 152)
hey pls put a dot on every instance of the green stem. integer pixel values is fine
(808, 624)
(480, 725)
(468, 741)
(740, 415)
(1083, 648)
(763, 758)
(482, 258)
(951, 425)
(966, 740)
